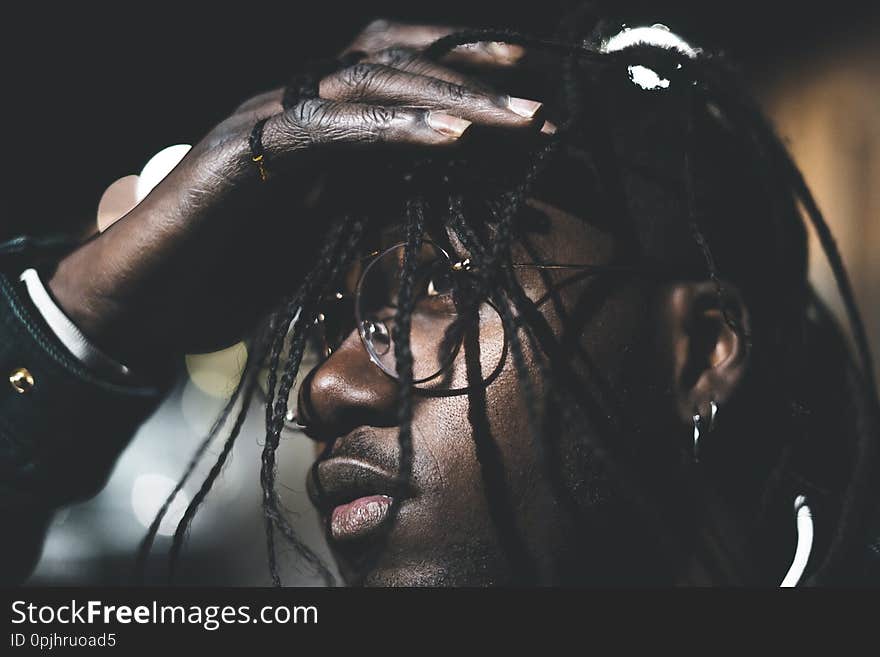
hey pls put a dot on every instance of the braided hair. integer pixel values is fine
(704, 96)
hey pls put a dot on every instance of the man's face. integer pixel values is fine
(486, 504)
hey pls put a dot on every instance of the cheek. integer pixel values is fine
(464, 439)
(606, 335)
(476, 451)
(471, 442)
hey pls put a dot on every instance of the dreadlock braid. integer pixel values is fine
(694, 223)
(521, 318)
(190, 512)
(865, 393)
(293, 311)
(329, 269)
(415, 224)
(243, 384)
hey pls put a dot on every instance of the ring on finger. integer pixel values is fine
(258, 153)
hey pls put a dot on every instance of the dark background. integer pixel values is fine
(93, 91)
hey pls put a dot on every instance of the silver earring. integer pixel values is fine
(701, 427)
(292, 422)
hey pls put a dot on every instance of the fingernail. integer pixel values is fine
(446, 124)
(548, 128)
(505, 53)
(523, 107)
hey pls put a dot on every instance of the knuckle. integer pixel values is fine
(307, 112)
(359, 76)
(448, 91)
(302, 124)
(364, 81)
(377, 119)
(395, 56)
(313, 123)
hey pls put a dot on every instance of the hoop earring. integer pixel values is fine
(803, 518)
(700, 430)
(803, 514)
(292, 422)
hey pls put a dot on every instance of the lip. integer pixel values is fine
(359, 518)
(353, 495)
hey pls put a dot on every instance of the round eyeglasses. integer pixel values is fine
(445, 317)
(451, 330)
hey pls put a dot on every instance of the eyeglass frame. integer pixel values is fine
(464, 265)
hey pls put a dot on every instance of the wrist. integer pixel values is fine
(69, 287)
(68, 333)
(85, 297)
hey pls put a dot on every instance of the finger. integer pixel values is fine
(317, 123)
(384, 34)
(381, 34)
(405, 59)
(486, 54)
(382, 85)
(409, 60)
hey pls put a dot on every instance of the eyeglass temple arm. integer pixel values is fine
(467, 265)
(585, 268)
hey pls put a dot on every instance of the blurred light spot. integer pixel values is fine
(147, 496)
(656, 35)
(198, 409)
(61, 516)
(159, 166)
(647, 78)
(216, 373)
(117, 200)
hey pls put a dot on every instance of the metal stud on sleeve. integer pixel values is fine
(22, 381)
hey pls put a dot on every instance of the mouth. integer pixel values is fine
(354, 496)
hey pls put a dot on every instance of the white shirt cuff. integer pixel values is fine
(67, 332)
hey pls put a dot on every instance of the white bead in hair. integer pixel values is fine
(654, 35)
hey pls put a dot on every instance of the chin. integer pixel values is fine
(460, 566)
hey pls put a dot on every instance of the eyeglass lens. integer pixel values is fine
(443, 316)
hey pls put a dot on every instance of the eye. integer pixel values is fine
(439, 281)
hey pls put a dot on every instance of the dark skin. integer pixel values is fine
(640, 341)
(213, 208)
(660, 347)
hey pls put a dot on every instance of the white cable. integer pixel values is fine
(804, 522)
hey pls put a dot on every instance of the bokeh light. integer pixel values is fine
(117, 200)
(217, 373)
(147, 495)
(159, 166)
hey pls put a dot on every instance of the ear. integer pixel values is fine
(710, 356)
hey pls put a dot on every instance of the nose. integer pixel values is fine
(344, 392)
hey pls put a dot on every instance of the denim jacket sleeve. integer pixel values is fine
(62, 427)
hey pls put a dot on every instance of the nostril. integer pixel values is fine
(346, 391)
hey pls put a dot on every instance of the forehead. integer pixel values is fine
(545, 232)
(557, 235)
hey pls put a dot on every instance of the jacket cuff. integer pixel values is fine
(62, 425)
